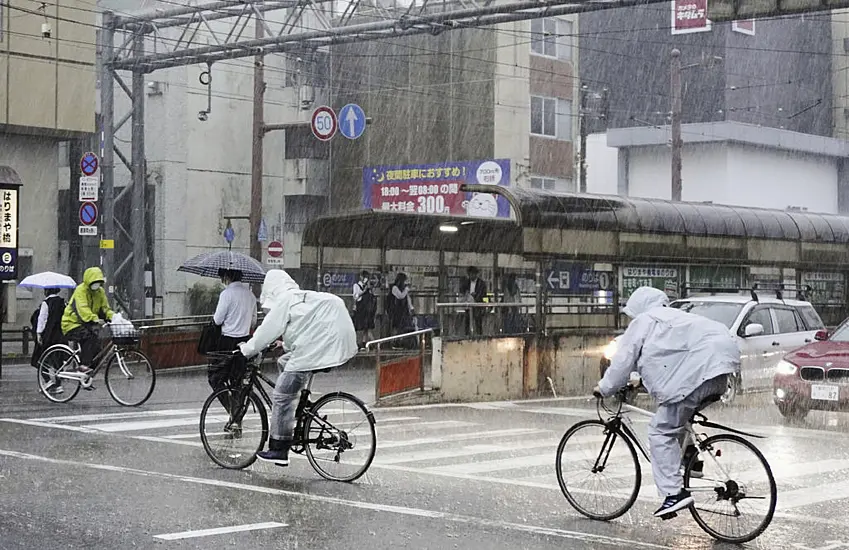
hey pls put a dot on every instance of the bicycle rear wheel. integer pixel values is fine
(736, 497)
(130, 378)
(54, 367)
(600, 481)
(232, 441)
(339, 437)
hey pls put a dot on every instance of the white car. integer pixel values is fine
(765, 329)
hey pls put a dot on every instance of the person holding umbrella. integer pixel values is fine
(236, 314)
(46, 321)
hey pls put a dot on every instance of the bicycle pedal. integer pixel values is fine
(665, 517)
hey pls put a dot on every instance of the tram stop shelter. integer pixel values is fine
(548, 232)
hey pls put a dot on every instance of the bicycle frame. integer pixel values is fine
(623, 421)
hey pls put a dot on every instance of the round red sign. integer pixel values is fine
(275, 249)
(324, 123)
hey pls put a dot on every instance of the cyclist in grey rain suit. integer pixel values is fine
(683, 360)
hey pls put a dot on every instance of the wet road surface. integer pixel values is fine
(92, 474)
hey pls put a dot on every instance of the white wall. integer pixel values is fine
(775, 179)
(739, 175)
(602, 163)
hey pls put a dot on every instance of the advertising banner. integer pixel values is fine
(569, 278)
(435, 188)
(689, 16)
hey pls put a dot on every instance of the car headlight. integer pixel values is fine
(785, 367)
(610, 350)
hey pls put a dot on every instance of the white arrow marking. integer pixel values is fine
(351, 117)
(553, 279)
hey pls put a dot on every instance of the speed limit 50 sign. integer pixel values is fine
(324, 123)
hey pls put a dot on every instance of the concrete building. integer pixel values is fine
(47, 86)
(463, 95)
(756, 110)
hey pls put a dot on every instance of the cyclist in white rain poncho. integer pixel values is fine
(683, 360)
(317, 333)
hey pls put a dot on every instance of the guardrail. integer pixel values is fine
(399, 375)
(474, 313)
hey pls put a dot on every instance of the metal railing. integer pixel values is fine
(377, 343)
(476, 312)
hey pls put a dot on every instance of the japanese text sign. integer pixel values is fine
(8, 233)
(435, 188)
(689, 16)
(662, 278)
(568, 278)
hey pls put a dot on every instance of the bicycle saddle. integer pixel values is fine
(324, 371)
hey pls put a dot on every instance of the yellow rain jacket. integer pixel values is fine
(87, 305)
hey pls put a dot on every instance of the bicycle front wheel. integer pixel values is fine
(736, 494)
(600, 481)
(56, 369)
(232, 441)
(339, 437)
(130, 378)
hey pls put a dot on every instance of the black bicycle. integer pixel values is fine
(731, 481)
(336, 432)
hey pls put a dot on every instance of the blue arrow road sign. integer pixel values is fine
(229, 234)
(352, 121)
(262, 234)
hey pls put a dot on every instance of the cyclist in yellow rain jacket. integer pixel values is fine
(85, 311)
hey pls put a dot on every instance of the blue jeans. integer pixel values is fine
(284, 400)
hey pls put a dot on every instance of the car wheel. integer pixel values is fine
(792, 412)
(731, 391)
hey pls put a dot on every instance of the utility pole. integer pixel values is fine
(138, 213)
(584, 129)
(675, 70)
(255, 214)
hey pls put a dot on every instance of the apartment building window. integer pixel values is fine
(551, 117)
(552, 184)
(551, 38)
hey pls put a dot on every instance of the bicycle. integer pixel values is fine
(125, 366)
(245, 425)
(718, 493)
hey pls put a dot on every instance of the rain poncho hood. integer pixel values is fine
(644, 299)
(316, 327)
(675, 352)
(87, 305)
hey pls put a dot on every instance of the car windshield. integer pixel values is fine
(722, 312)
(841, 334)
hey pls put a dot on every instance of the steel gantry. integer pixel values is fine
(185, 36)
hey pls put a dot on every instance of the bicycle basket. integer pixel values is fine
(123, 335)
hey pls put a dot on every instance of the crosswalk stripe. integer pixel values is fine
(470, 450)
(152, 424)
(458, 437)
(118, 416)
(813, 495)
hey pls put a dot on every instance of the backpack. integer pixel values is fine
(33, 322)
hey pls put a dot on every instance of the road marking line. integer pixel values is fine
(460, 437)
(220, 531)
(469, 450)
(556, 487)
(40, 424)
(153, 424)
(371, 506)
(118, 416)
(813, 495)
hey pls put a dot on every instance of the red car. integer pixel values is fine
(815, 376)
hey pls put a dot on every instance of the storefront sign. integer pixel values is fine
(827, 288)
(663, 278)
(9, 233)
(689, 16)
(435, 188)
(704, 276)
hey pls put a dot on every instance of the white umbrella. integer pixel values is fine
(48, 279)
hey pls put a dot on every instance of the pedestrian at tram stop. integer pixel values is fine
(365, 308)
(684, 361)
(317, 334)
(47, 325)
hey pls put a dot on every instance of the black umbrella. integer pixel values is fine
(208, 264)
